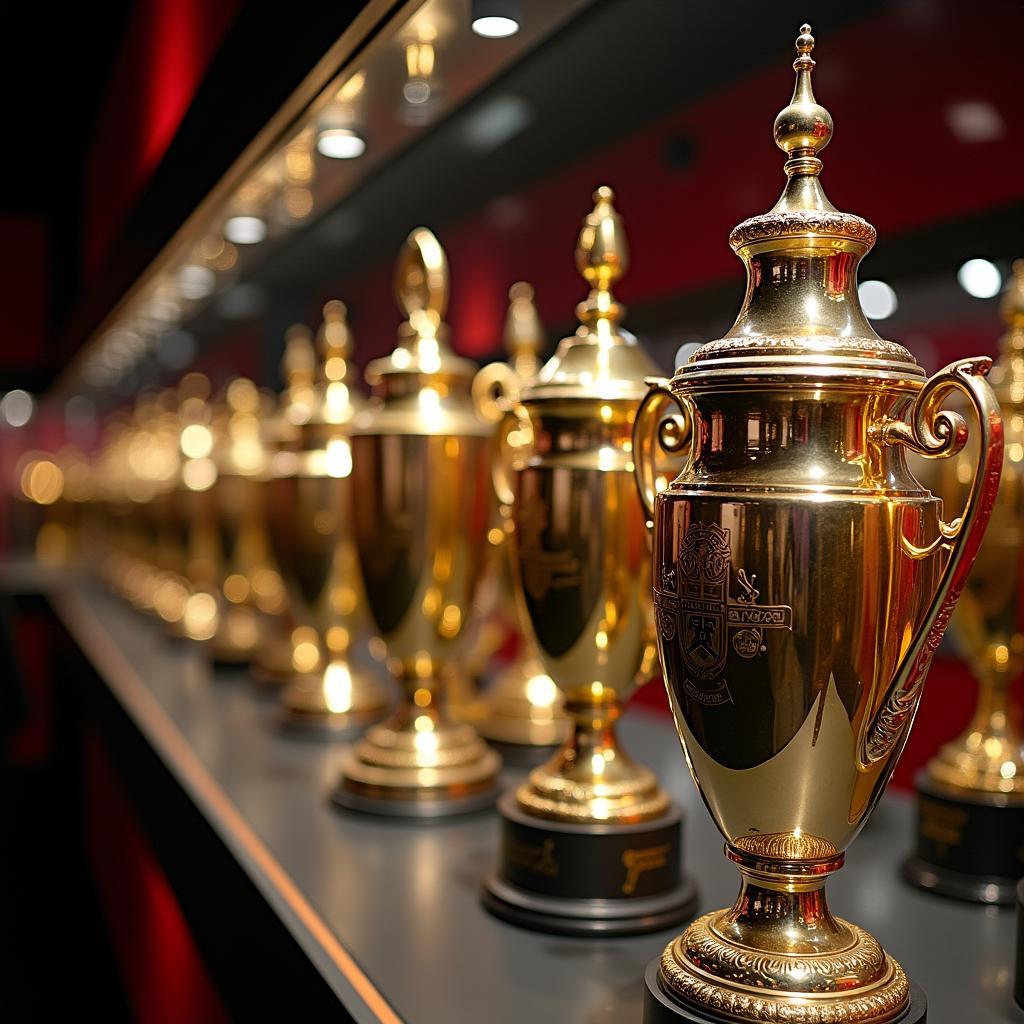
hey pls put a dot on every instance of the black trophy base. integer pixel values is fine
(661, 1008)
(589, 880)
(1018, 967)
(968, 846)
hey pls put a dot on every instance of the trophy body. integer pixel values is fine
(330, 686)
(591, 843)
(970, 828)
(802, 580)
(420, 517)
(521, 710)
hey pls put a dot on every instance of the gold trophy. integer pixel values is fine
(591, 843)
(970, 830)
(419, 455)
(802, 581)
(196, 513)
(521, 710)
(332, 687)
(246, 573)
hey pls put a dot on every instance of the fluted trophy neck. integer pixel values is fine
(801, 311)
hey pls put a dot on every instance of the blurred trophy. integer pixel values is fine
(522, 707)
(195, 512)
(970, 828)
(249, 585)
(421, 515)
(591, 843)
(332, 687)
(802, 581)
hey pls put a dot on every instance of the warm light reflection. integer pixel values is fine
(338, 687)
(199, 474)
(338, 458)
(200, 616)
(196, 441)
(541, 691)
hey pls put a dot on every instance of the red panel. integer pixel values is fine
(160, 966)
(167, 48)
(23, 291)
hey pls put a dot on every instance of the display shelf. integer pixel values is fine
(388, 913)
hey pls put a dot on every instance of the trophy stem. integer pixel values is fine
(590, 778)
(779, 946)
(417, 763)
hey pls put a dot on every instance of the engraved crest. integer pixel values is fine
(694, 604)
(704, 559)
(543, 570)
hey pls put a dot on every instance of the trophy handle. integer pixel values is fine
(495, 388)
(937, 433)
(653, 430)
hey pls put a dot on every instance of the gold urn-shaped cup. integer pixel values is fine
(331, 684)
(521, 710)
(420, 519)
(605, 839)
(970, 831)
(802, 580)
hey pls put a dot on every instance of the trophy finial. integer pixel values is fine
(602, 257)
(334, 339)
(524, 334)
(1012, 304)
(803, 128)
(298, 364)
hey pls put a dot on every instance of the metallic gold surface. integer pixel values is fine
(332, 685)
(195, 512)
(241, 463)
(802, 580)
(522, 705)
(988, 758)
(582, 567)
(419, 455)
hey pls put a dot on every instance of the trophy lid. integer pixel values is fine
(339, 398)
(1007, 375)
(801, 311)
(421, 290)
(524, 333)
(601, 360)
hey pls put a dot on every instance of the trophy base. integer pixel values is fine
(316, 705)
(272, 667)
(425, 809)
(327, 726)
(384, 773)
(662, 1008)
(968, 845)
(589, 879)
(519, 755)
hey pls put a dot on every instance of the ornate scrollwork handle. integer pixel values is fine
(938, 433)
(652, 429)
(495, 396)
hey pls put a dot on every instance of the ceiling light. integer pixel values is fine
(195, 281)
(496, 121)
(16, 408)
(877, 299)
(980, 278)
(975, 121)
(245, 230)
(496, 19)
(340, 144)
